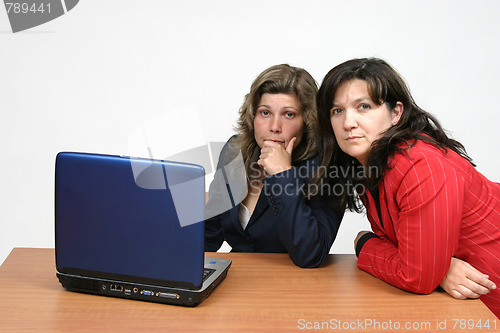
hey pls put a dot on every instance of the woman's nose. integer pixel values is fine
(276, 125)
(350, 120)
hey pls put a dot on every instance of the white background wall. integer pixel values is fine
(84, 81)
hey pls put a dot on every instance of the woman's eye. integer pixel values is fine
(364, 106)
(289, 114)
(264, 113)
(334, 112)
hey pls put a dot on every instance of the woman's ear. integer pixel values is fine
(397, 112)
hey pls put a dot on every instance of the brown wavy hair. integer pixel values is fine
(279, 79)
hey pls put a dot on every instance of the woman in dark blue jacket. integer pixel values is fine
(260, 199)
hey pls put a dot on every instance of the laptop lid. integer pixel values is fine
(129, 219)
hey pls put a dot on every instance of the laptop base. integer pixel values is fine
(138, 291)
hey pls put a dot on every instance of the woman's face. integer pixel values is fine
(278, 118)
(357, 121)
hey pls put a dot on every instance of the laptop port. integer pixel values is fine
(168, 295)
(147, 292)
(116, 287)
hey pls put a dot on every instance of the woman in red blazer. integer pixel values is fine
(427, 204)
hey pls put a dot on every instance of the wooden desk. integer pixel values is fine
(262, 293)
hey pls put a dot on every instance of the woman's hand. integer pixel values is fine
(464, 281)
(274, 158)
(360, 234)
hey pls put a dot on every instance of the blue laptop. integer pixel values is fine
(133, 228)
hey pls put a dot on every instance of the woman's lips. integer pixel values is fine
(277, 141)
(353, 138)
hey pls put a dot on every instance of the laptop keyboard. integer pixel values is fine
(207, 272)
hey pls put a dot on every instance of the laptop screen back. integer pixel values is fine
(129, 219)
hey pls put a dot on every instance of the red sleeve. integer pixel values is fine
(424, 200)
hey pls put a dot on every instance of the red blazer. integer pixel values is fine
(434, 205)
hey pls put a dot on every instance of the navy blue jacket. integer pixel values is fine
(282, 221)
